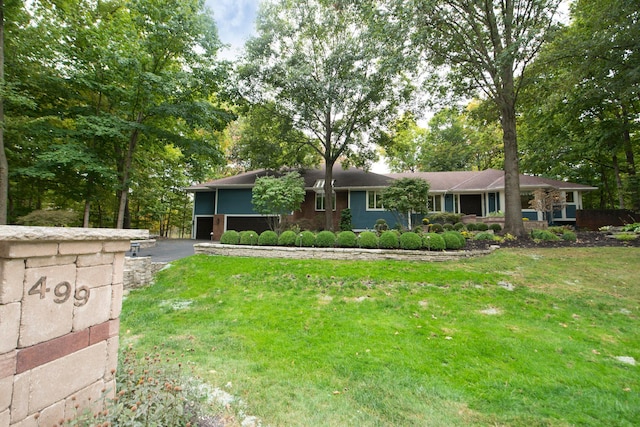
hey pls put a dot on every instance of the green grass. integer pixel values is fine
(380, 343)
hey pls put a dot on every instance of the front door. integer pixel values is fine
(471, 204)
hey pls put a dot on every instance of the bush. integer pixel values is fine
(287, 238)
(248, 237)
(454, 240)
(444, 217)
(495, 227)
(306, 239)
(345, 220)
(471, 227)
(484, 236)
(268, 238)
(544, 235)
(433, 242)
(230, 237)
(569, 236)
(458, 226)
(481, 226)
(368, 240)
(389, 240)
(381, 226)
(436, 228)
(410, 241)
(50, 218)
(447, 227)
(346, 239)
(325, 239)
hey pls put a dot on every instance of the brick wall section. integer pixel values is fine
(60, 301)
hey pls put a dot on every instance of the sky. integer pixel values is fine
(236, 22)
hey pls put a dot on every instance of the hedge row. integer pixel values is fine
(390, 239)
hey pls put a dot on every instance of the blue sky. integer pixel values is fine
(235, 20)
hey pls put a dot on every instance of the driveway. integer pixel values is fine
(167, 250)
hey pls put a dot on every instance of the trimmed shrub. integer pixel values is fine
(495, 227)
(287, 238)
(484, 236)
(248, 237)
(325, 239)
(346, 239)
(389, 240)
(436, 228)
(230, 237)
(368, 240)
(447, 227)
(481, 226)
(453, 240)
(410, 241)
(345, 220)
(569, 236)
(471, 227)
(458, 226)
(544, 235)
(433, 242)
(381, 226)
(268, 238)
(306, 239)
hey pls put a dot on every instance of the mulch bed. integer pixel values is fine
(584, 239)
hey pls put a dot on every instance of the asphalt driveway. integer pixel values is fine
(167, 250)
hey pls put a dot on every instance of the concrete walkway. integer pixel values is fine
(167, 250)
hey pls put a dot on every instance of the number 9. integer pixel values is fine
(81, 296)
(62, 296)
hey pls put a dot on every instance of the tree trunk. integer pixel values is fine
(4, 165)
(513, 208)
(126, 171)
(616, 171)
(328, 195)
(87, 211)
(634, 183)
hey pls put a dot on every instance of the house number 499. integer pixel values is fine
(61, 292)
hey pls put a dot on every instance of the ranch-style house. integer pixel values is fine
(225, 204)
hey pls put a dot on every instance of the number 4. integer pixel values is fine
(40, 288)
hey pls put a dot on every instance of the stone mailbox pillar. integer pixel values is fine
(60, 301)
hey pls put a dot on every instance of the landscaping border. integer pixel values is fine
(333, 253)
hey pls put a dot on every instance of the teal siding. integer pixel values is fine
(492, 202)
(361, 218)
(235, 202)
(448, 202)
(205, 203)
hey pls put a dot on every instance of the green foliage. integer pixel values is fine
(544, 235)
(436, 228)
(389, 240)
(454, 240)
(433, 242)
(325, 239)
(230, 237)
(471, 226)
(481, 226)
(50, 218)
(248, 237)
(345, 220)
(634, 228)
(410, 241)
(346, 239)
(458, 226)
(626, 237)
(268, 238)
(305, 239)
(278, 195)
(287, 238)
(380, 226)
(368, 240)
(495, 227)
(444, 217)
(484, 236)
(569, 236)
(407, 196)
(447, 227)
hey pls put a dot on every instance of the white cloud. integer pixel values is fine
(235, 20)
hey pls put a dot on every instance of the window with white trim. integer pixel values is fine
(435, 203)
(374, 201)
(320, 201)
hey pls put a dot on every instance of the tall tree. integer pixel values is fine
(484, 46)
(4, 165)
(315, 61)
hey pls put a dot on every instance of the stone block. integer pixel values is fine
(56, 380)
(116, 246)
(39, 354)
(9, 326)
(27, 249)
(8, 364)
(47, 308)
(117, 292)
(97, 309)
(118, 268)
(51, 415)
(20, 398)
(81, 247)
(6, 390)
(95, 276)
(112, 358)
(90, 397)
(5, 418)
(50, 260)
(99, 258)
(104, 331)
(11, 279)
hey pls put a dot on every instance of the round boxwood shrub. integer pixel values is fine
(481, 226)
(544, 235)
(447, 227)
(410, 241)
(248, 237)
(471, 227)
(495, 227)
(569, 236)
(458, 226)
(306, 239)
(368, 240)
(389, 240)
(483, 236)
(325, 239)
(453, 240)
(230, 237)
(287, 238)
(436, 228)
(433, 242)
(268, 238)
(346, 239)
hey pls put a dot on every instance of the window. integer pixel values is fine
(435, 203)
(569, 197)
(320, 201)
(374, 201)
(525, 198)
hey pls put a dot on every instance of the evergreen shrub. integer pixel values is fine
(346, 239)
(436, 228)
(368, 240)
(454, 240)
(287, 238)
(306, 239)
(484, 235)
(458, 226)
(410, 241)
(389, 240)
(248, 237)
(325, 239)
(481, 226)
(495, 227)
(268, 238)
(433, 242)
(230, 237)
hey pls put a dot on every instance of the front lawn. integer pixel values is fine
(518, 338)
